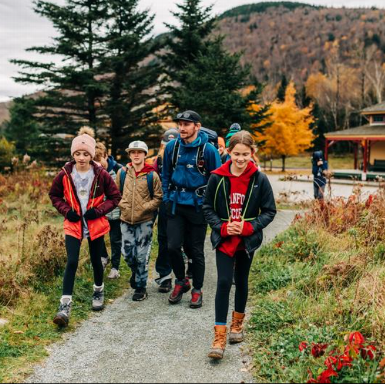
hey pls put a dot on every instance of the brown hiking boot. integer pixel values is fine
(219, 345)
(236, 330)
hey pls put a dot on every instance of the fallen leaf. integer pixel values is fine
(18, 332)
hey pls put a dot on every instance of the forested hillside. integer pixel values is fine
(296, 39)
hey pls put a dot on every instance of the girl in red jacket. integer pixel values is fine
(78, 193)
(239, 204)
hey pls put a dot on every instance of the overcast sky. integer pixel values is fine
(20, 28)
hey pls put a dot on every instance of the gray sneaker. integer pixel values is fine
(63, 316)
(114, 274)
(98, 299)
(105, 262)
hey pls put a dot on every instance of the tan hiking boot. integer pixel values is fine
(219, 344)
(236, 330)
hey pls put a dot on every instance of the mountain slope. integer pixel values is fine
(297, 40)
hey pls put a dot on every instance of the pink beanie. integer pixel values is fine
(84, 143)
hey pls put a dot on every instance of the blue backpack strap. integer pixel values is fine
(123, 174)
(150, 183)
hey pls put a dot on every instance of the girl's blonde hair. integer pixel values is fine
(242, 137)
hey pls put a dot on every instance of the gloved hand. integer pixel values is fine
(91, 214)
(73, 217)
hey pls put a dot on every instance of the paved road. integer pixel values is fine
(150, 342)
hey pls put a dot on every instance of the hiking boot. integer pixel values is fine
(236, 330)
(196, 299)
(181, 287)
(114, 274)
(62, 318)
(105, 262)
(219, 345)
(140, 294)
(98, 299)
(165, 286)
(132, 281)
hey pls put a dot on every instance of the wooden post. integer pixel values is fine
(366, 157)
(356, 146)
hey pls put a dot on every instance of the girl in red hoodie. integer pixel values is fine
(239, 205)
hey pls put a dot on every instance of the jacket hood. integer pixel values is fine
(225, 170)
(70, 166)
(111, 163)
(147, 168)
(200, 140)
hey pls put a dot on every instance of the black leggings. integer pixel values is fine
(226, 272)
(73, 252)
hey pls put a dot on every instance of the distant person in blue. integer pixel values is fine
(320, 166)
(235, 128)
(187, 165)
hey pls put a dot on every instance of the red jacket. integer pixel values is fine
(239, 187)
(64, 198)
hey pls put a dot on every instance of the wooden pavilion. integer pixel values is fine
(369, 138)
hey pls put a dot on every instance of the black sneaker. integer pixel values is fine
(140, 294)
(165, 287)
(98, 300)
(132, 281)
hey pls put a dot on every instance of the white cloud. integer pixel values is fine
(21, 28)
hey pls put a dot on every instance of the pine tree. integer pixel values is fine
(132, 75)
(22, 127)
(214, 85)
(72, 90)
(185, 42)
(281, 94)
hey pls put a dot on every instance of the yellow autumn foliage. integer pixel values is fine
(290, 132)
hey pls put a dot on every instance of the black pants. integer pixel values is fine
(187, 228)
(225, 267)
(73, 252)
(116, 243)
(163, 262)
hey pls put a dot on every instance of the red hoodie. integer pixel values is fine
(147, 169)
(239, 187)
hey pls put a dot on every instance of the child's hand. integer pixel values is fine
(235, 228)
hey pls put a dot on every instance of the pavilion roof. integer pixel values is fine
(378, 108)
(364, 132)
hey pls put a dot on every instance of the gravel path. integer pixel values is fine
(150, 342)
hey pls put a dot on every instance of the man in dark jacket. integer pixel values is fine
(188, 162)
(320, 166)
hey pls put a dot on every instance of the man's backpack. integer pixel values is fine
(200, 162)
(150, 181)
(213, 136)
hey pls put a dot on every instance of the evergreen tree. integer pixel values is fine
(72, 90)
(281, 94)
(132, 76)
(22, 127)
(186, 41)
(214, 85)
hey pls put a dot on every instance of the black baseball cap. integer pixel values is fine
(188, 116)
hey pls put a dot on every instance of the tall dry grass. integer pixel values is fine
(32, 245)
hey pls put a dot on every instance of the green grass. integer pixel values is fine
(304, 162)
(295, 297)
(30, 330)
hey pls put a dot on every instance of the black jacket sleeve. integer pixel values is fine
(211, 216)
(268, 207)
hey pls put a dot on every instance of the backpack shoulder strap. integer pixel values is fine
(150, 183)
(175, 154)
(123, 174)
(201, 165)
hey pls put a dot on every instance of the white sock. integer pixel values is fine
(66, 297)
(98, 289)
